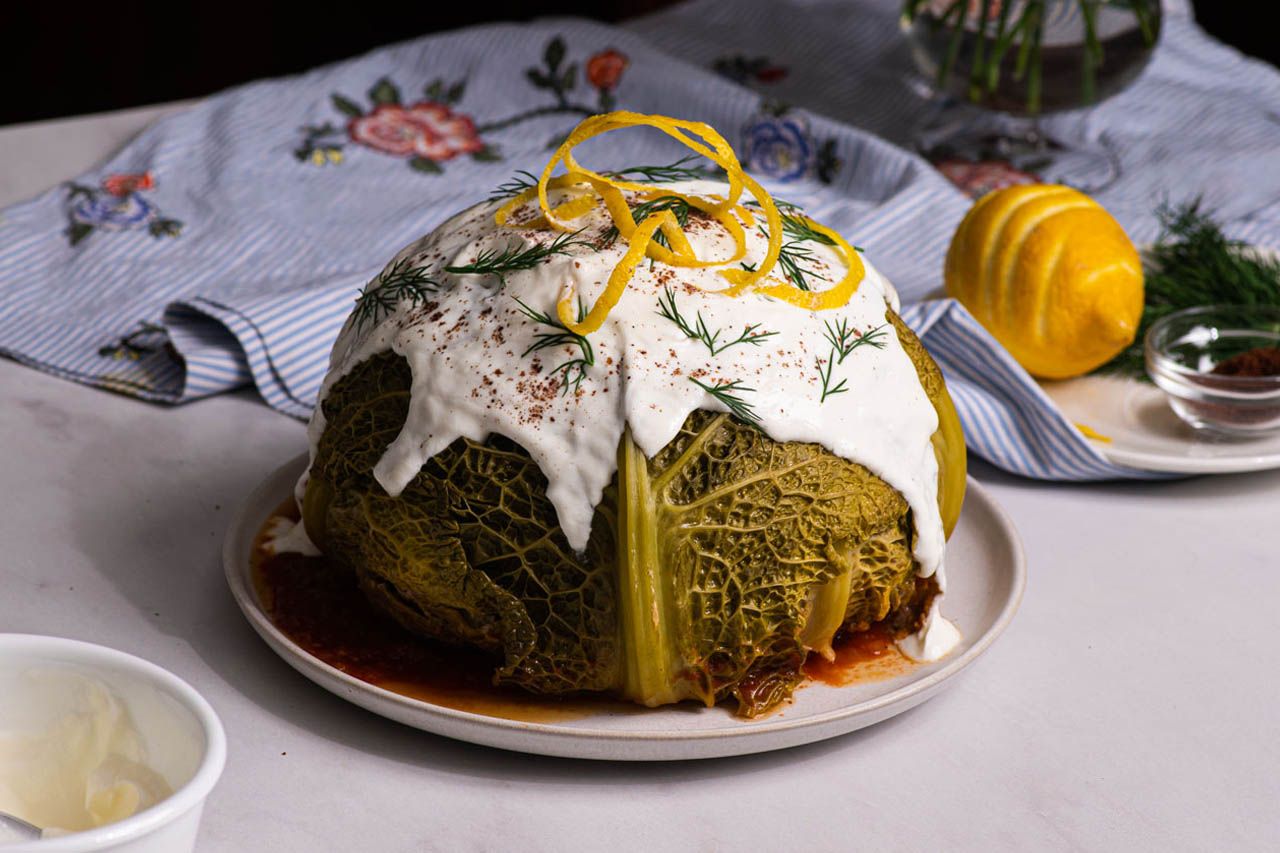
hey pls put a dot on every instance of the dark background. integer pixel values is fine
(62, 59)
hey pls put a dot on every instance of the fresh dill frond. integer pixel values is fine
(499, 263)
(678, 207)
(519, 182)
(825, 374)
(793, 254)
(669, 174)
(790, 256)
(393, 285)
(845, 340)
(777, 202)
(699, 331)
(728, 394)
(798, 228)
(573, 371)
(1194, 263)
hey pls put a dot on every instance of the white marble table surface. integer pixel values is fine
(1134, 704)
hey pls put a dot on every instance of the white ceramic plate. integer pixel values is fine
(985, 577)
(1146, 434)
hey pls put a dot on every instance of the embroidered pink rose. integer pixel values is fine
(978, 179)
(448, 133)
(425, 129)
(123, 185)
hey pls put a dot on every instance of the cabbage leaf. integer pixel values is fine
(712, 569)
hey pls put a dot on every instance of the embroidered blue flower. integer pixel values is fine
(118, 205)
(113, 214)
(779, 146)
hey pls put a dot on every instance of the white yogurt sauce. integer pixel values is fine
(86, 767)
(466, 348)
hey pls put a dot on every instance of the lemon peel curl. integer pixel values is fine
(586, 186)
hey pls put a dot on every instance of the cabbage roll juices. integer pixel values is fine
(489, 356)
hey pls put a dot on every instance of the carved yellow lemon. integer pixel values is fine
(1050, 274)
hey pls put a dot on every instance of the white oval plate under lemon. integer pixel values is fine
(1144, 432)
(985, 577)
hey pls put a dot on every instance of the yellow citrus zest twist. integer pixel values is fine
(1090, 432)
(640, 237)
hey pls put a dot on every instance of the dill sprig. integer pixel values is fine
(793, 254)
(845, 340)
(790, 256)
(519, 182)
(1194, 263)
(573, 371)
(678, 207)
(796, 225)
(699, 331)
(798, 228)
(825, 374)
(669, 174)
(499, 263)
(728, 394)
(777, 202)
(393, 285)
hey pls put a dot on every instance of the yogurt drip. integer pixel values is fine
(466, 345)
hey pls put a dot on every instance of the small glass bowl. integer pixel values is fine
(1182, 351)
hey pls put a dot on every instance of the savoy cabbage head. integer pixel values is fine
(711, 571)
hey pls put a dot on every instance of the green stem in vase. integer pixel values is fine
(1143, 14)
(1091, 57)
(980, 35)
(953, 44)
(977, 72)
(1033, 75)
(1029, 26)
(1004, 38)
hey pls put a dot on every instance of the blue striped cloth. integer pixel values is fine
(226, 244)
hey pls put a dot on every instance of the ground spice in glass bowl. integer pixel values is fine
(1219, 366)
(1259, 361)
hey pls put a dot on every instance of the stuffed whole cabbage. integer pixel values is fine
(715, 485)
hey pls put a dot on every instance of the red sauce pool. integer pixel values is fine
(321, 608)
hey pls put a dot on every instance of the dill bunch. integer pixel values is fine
(1194, 263)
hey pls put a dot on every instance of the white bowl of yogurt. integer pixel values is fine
(104, 750)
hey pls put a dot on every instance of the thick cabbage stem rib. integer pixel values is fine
(826, 612)
(651, 661)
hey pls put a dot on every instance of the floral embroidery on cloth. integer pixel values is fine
(145, 338)
(426, 132)
(604, 70)
(978, 179)
(117, 205)
(430, 132)
(742, 69)
(779, 144)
